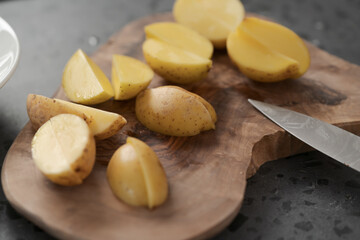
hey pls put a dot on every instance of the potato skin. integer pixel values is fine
(174, 111)
(174, 71)
(129, 77)
(180, 74)
(40, 109)
(115, 127)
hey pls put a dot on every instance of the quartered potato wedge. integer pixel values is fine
(175, 64)
(267, 52)
(180, 36)
(174, 111)
(214, 19)
(103, 124)
(63, 149)
(136, 175)
(129, 77)
(84, 82)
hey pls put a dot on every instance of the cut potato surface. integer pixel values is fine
(84, 82)
(279, 39)
(267, 52)
(213, 19)
(257, 61)
(102, 124)
(180, 36)
(63, 149)
(136, 175)
(129, 77)
(174, 64)
(174, 111)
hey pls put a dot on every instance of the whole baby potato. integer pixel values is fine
(174, 111)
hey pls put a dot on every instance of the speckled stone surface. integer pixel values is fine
(308, 196)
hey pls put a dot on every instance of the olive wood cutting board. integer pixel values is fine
(207, 173)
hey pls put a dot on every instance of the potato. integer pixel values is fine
(267, 52)
(63, 149)
(102, 124)
(136, 175)
(129, 77)
(84, 82)
(213, 19)
(174, 111)
(180, 36)
(175, 64)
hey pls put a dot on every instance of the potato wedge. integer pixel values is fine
(103, 124)
(279, 39)
(136, 175)
(213, 19)
(129, 77)
(174, 111)
(84, 82)
(267, 52)
(174, 64)
(258, 62)
(180, 36)
(63, 149)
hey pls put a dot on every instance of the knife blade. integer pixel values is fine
(333, 141)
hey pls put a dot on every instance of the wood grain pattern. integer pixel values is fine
(207, 173)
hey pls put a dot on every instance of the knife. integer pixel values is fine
(335, 142)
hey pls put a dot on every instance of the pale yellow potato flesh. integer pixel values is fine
(180, 36)
(175, 64)
(174, 111)
(63, 149)
(213, 19)
(257, 61)
(279, 39)
(129, 77)
(102, 124)
(84, 82)
(136, 175)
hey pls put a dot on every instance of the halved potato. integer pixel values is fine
(129, 77)
(84, 82)
(214, 19)
(136, 175)
(175, 64)
(103, 124)
(267, 52)
(180, 36)
(63, 149)
(174, 111)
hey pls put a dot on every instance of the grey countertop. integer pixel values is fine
(308, 196)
